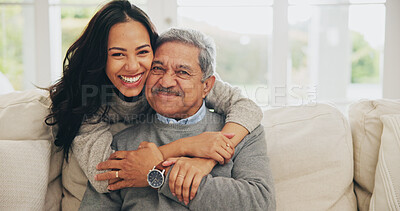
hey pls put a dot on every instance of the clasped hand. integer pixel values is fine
(208, 148)
(213, 145)
(132, 166)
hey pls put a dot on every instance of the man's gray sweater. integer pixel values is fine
(245, 183)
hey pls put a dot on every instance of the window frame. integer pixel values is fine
(46, 65)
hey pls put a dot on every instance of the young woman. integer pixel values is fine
(100, 93)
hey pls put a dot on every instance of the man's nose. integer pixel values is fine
(132, 64)
(168, 79)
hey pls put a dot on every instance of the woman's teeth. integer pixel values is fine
(130, 79)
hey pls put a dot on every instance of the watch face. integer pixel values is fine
(155, 178)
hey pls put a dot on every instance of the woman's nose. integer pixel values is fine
(132, 64)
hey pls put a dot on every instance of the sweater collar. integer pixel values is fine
(197, 117)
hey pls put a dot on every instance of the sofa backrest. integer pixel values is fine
(311, 154)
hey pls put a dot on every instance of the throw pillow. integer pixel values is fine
(24, 171)
(366, 127)
(386, 195)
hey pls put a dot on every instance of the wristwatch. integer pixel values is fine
(155, 177)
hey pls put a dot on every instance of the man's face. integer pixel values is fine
(174, 88)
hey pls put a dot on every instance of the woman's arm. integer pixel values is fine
(228, 100)
(242, 116)
(235, 128)
(90, 147)
(214, 145)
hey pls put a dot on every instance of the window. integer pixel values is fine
(300, 51)
(337, 47)
(242, 32)
(16, 41)
(75, 16)
(35, 35)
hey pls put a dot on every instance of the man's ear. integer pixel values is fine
(208, 85)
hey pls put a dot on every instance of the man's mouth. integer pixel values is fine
(165, 91)
(131, 79)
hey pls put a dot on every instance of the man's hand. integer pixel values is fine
(131, 167)
(185, 177)
(213, 145)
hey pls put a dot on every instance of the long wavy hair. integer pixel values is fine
(84, 66)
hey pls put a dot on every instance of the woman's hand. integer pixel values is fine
(185, 177)
(130, 168)
(213, 145)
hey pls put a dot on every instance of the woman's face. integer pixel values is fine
(129, 57)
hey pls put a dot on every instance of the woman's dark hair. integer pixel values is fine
(84, 71)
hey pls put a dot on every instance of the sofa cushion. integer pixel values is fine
(24, 181)
(22, 116)
(311, 157)
(386, 195)
(366, 126)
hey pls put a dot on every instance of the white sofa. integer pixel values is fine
(320, 160)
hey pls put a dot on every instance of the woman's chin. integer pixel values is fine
(130, 92)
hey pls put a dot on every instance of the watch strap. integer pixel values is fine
(160, 166)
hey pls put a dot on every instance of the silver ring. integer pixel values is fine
(116, 174)
(227, 145)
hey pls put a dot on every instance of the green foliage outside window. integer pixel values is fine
(73, 22)
(11, 61)
(364, 61)
(242, 64)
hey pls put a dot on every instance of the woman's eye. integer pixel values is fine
(117, 54)
(144, 52)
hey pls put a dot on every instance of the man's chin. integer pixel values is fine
(169, 109)
(171, 114)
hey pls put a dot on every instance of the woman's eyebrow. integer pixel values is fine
(117, 48)
(143, 46)
(123, 49)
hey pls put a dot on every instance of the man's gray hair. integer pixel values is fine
(206, 45)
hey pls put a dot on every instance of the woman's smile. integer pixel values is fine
(131, 81)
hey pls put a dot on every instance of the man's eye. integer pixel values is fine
(182, 72)
(157, 70)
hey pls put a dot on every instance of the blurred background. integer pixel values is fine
(279, 52)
